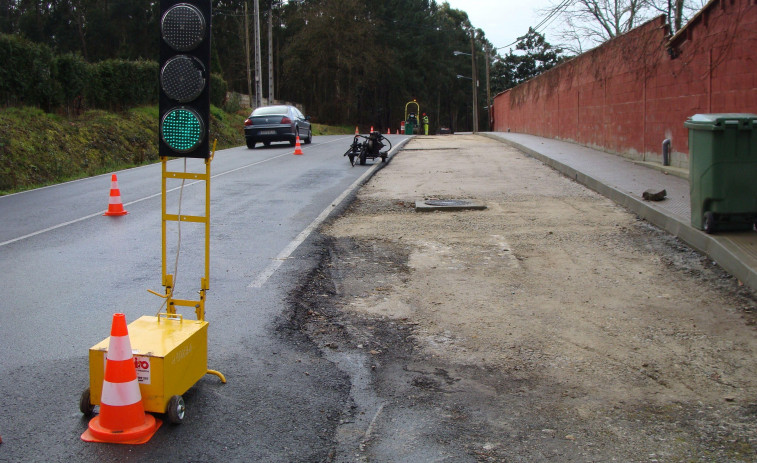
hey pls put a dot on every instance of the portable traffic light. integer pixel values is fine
(184, 102)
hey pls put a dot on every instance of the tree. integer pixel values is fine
(346, 61)
(588, 23)
(533, 56)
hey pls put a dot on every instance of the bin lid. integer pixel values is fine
(718, 121)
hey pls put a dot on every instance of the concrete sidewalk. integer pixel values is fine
(624, 181)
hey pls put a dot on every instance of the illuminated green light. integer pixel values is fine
(182, 129)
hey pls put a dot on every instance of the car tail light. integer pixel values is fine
(247, 122)
(286, 120)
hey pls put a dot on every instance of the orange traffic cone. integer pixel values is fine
(122, 418)
(388, 131)
(357, 132)
(297, 148)
(115, 207)
(371, 129)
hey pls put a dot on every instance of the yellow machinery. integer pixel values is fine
(412, 123)
(170, 352)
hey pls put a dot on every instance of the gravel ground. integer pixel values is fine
(552, 326)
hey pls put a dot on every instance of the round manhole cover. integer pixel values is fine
(446, 202)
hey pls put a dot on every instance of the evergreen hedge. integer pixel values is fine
(31, 75)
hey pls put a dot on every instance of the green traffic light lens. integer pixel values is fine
(182, 129)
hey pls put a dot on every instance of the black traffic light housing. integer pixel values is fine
(184, 100)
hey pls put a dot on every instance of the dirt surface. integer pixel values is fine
(552, 326)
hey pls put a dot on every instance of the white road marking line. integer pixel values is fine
(285, 253)
(80, 219)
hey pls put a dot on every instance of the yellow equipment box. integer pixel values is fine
(170, 355)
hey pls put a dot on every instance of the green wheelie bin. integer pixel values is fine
(723, 171)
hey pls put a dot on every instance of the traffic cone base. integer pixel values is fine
(297, 147)
(122, 418)
(136, 435)
(115, 206)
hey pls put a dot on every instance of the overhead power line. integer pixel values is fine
(544, 22)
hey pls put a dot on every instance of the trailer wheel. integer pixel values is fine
(85, 406)
(176, 410)
(710, 223)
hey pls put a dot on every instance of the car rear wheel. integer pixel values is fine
(250, 143)
(293, 141)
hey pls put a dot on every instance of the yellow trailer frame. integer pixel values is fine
(170, 353)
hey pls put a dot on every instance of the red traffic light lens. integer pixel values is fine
(183, 27)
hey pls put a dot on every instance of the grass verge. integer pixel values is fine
(39, 148)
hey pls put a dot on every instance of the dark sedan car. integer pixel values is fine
(277, 123)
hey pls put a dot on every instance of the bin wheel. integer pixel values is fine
(176, 410)
(710, 224)
(85, 405)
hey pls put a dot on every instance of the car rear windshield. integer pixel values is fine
(270, 110)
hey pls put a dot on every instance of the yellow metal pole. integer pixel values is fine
(206, 280)
(167, 279)
(163, 221)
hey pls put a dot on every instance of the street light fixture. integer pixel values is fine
(473, 79)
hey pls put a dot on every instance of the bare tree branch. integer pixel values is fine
(588, 23)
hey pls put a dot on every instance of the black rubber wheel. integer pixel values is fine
(709, 223)
(310, 137)
(250, 144)
(293, 141)
(176, 410)
(85, 405)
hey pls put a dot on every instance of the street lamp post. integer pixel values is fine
(474, 82)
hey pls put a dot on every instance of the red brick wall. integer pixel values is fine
(634, 91)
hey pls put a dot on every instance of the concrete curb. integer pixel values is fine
(720, 249)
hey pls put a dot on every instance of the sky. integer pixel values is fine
(503, 21)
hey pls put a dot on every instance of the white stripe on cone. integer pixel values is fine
(121, 394)
(119, 348)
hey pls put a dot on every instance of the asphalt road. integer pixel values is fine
(66, 269)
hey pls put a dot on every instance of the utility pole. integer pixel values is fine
(270, 54)
(488, 90)
(258, 66)
(475, 81)
(247, 52)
